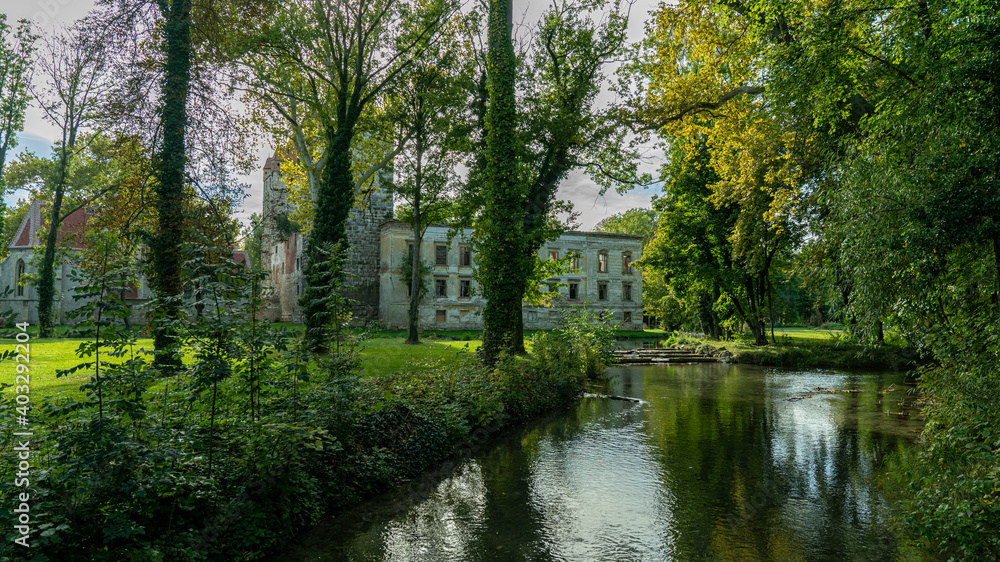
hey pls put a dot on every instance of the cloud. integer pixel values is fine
(592, 206)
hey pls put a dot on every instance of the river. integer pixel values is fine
(718, 462)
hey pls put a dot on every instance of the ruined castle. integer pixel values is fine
(603, 277)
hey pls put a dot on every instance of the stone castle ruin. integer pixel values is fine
(603, 277)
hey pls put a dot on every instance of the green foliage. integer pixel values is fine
(582, 343)
(638, 222)
(527, 153)
(16, 50)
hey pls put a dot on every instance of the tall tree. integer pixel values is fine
(16, 51)
(74, 67)
(323, 63)
(429, 104)
(529, 152)
(171, 162)
(500, 228)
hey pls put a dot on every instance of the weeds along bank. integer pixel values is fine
(253, 439)
(833, 352)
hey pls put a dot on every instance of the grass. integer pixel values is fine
(803, 347)
(383, 353)
(46, 358)
(380, 355)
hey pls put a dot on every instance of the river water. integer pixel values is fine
(718, 462)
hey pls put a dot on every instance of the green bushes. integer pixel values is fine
(254, 440)
(954, 500)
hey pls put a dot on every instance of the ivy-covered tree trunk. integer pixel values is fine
(333, 205)
(501, 227)
(170, 170)
(46, 276)
(413, 331)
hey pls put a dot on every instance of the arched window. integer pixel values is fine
(18, 277)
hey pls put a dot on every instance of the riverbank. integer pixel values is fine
(800, 349)
(239, 472)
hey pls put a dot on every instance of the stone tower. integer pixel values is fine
(285, 253)
(363, 256)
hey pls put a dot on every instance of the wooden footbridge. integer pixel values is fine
(663, 355)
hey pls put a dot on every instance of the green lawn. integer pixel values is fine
(47, 356)
(383, 353)
(805, 335)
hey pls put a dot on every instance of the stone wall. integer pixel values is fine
(286, 256)
(615, 291)
(362, 264)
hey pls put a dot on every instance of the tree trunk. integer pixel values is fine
(770, 309)
(333, 206)
(46, 276)
(502, 230)
(170, 171)
(413, 335)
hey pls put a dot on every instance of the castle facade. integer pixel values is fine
(601, 278)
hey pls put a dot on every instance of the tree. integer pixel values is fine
(166, 56)
(16, 50)
(321, 65)
(889, 114)
(75, 71)
(253, 239)
(428, 104)
(695, 257)
(528, 153)
(638, 222)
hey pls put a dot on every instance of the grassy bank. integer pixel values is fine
(799, 347)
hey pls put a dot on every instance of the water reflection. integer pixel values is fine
(722, 462)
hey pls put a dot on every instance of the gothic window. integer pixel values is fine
(19, 277)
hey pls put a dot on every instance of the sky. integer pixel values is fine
(38, 134)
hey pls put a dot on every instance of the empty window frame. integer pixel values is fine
(574, 291)
(627, 317)
(602, 291)
(440, 288)
(465, 288)
(19, 278)
(602, 262)
(626, 291)
(464, 255)
(440, 255)
(627, 268)
(575, 262)
(553, 255)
